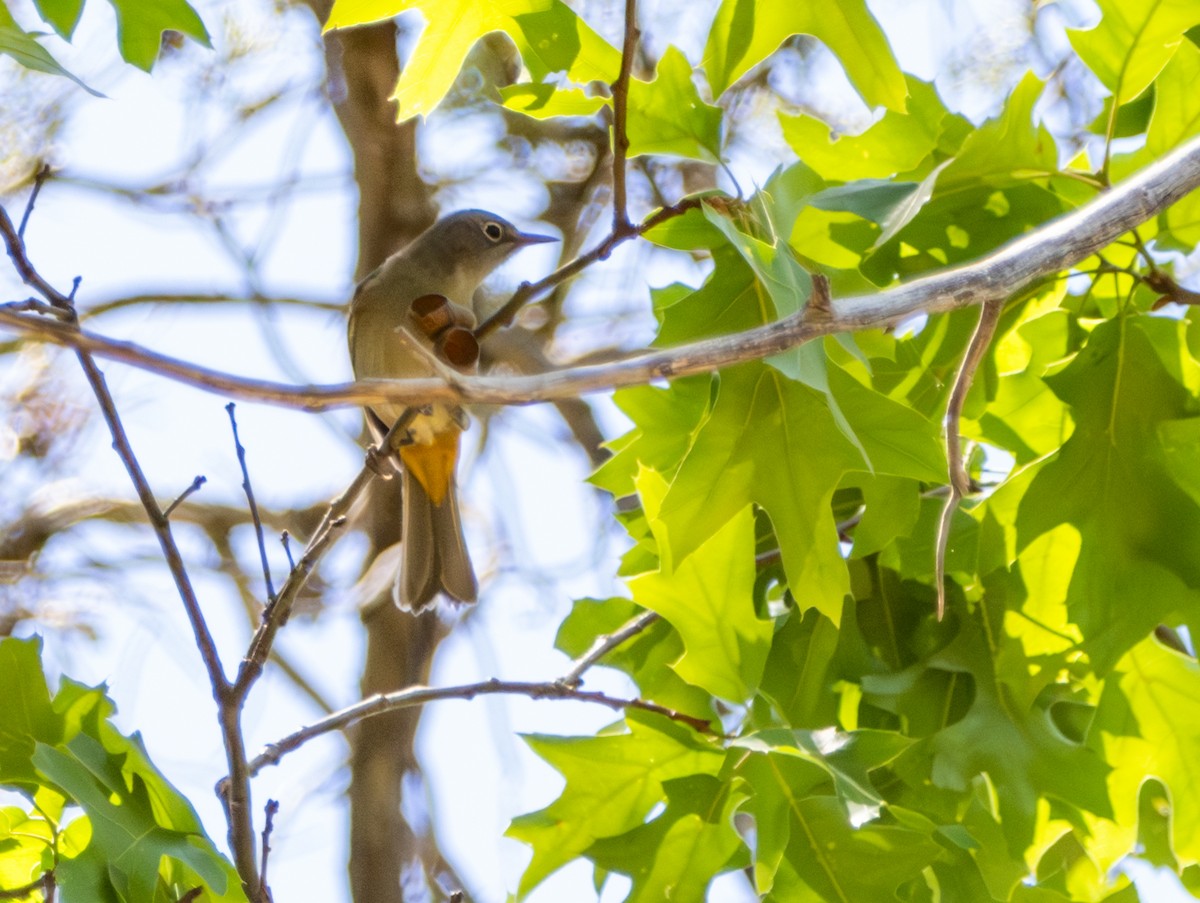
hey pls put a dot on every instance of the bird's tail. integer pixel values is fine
(435, 554)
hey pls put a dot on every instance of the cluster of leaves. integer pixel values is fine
(862, 750)
(127, 834)
(140, 28)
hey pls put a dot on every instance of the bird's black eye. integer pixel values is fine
(493, 231)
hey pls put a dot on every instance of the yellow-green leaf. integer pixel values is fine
(548, 34)
(746, 32)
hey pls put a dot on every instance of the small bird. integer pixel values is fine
(449, 259)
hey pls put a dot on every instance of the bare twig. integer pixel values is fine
(960, 481)
(620, 97)
(207, 298)
(419, 696)
(527, 291)
(276, 613)
(249, 490)
(197, 482)
(38, 307)
(604, 645)
(39, 180)
(271, 809)
(285, 540)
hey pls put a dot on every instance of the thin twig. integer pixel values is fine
(197, 482)
(272, 808)
(620, 97)
(606, 644)
(254, 516)
(527, 291)
(276, 613)
(411, 697)
(285, 540)
(960, 480)
(33, 305)
(39, 180)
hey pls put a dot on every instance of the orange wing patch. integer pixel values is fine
(433, 465)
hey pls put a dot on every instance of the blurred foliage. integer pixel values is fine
(133, 837)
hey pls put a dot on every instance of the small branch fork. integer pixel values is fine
(564, 688)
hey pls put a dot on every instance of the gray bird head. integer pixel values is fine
(474, 242)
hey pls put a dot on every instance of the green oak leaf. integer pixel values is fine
(1133, 41)
(730, 300)
(1024, 755)
(137, 830)
(995, 188)
(708, 598)
(613, 781)
(676, 855)
(890, 509)
(27, 716)
(664, 421)
(1176, 118)
(801, 671)
(647, 657)
(1007, 149)
(766, 250)
(746, 32)
(897, 143)
(1114, 482)
(26, 846)
(63, 15)
(776, 442)
(23, 47)
(126, 810)
(1146, 726)
(667, 115)
(545, 101)
(140, 27)
(549, 35)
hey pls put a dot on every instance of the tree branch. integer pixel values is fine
(1052, 248)
(620, 96)
(419, 696)
(606, 644)
(241, 830)
(960, 480)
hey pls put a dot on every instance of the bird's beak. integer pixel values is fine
(521, 239)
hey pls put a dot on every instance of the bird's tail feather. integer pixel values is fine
(435, 553)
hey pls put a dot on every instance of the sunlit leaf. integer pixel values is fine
(1133, 41)
(745, 32)
(708, 598)
(612, 784)
(548, 33)
(23, 47)
(140, 27)
(667, 115)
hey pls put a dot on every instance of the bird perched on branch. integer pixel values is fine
(408, 315)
